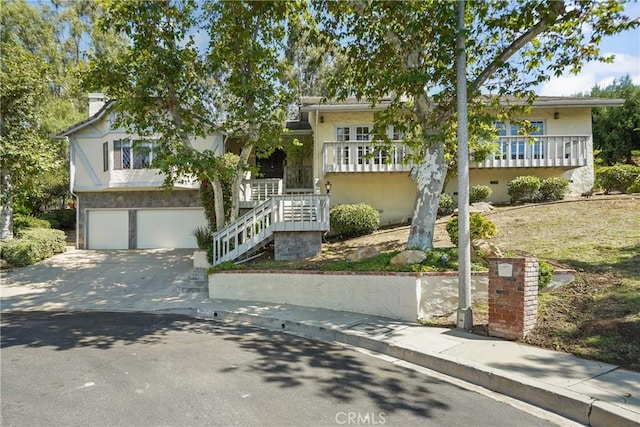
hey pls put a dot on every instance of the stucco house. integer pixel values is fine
(120, 204)
(342, 153)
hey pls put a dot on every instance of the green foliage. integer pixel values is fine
(635, 187)
(545, 274)
(553, 188)
(33, 245)
(438, 259)
(226, 266)
(353, 220)
(63, 219)
(238, 81)
(203, 237)
(615, 134)
(22, 222)
(479, 227)
(617, 178)
(479, 193)
(388, 51)
(446, 205)
(523, 188)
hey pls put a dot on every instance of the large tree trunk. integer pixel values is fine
(218, 202)
(245, 153)
(429, 177)
(6, 215)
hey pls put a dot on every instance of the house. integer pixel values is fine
(344, 154)
(120, 204)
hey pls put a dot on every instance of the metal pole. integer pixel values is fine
(465, 313)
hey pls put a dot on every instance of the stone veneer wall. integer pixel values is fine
(290, 245)
(132, 200)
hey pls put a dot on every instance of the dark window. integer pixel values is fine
(105, 156)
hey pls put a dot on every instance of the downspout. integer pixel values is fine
(317, 164)
(72, 177)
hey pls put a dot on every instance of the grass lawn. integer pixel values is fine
(597, 316)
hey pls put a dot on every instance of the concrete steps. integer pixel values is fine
(196, 283)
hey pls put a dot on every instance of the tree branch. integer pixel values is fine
(555, 9)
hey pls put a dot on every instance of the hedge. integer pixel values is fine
(33, 245)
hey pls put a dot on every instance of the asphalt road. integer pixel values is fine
(129, 369)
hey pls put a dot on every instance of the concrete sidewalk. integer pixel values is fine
(591, 393)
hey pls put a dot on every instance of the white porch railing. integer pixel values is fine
(287, 212)
(364, 156)
(539, 151)
(256, 191)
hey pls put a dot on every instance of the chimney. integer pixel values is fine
(96, 102)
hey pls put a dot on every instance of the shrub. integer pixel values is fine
(617, 178)
(21, 222)
(353, 220)
(553, 188)
(33, 245)
(63, 219)
(635, 187)
(446, 205)
(479, 193)
(545, 274)
(480, 228)
(203, 237)
(523, 188)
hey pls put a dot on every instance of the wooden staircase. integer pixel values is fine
(283, 212)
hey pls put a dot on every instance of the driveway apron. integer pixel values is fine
(96, 279)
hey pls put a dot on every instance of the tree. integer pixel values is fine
(168, 85)
(407, 49)
(57, 36)
(24, 151)
(615, 130)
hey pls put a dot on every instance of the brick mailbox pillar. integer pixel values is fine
(513, 297)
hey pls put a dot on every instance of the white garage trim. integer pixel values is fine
(168, 228)
(107, 229)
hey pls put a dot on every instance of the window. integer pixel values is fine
(105, 156)
(124, 157)
(517, 147)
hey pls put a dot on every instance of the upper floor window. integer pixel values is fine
(127, 157)
(515, 146)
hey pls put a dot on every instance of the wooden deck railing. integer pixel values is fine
(287, 212)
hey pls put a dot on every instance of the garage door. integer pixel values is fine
(166, 228)
(107, 229)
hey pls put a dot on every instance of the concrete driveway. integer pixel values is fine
(96, 279)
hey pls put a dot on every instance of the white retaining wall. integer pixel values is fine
(402, 296)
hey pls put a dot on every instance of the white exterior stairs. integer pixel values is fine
(255, 229)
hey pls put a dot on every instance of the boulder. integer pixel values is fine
(362, 254)
(482, 250)
(480, 207)
(408, 257)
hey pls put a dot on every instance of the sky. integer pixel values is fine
(626, 48)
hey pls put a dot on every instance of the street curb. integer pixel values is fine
(572, 405)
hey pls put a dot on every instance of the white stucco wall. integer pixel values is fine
(396, 296)
(394, 193)
(87, 159)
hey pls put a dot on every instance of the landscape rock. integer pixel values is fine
(362, 254)
(482, 250)
(480, 207)
(408, 257)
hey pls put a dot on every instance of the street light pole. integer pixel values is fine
(465, 312)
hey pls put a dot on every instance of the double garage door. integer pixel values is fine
(153, 228)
